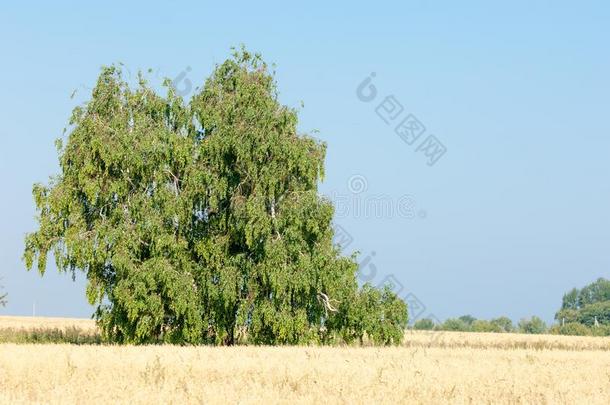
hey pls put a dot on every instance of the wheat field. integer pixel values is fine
(29, 323)
(428, 368)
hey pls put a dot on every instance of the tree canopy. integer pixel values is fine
(199, 221)
(533, 325)
(587, 305)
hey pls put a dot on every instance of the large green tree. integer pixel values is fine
(587, 305)
(598, 311)
(199, 221)
(597, 291)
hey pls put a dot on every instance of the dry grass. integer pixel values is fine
(474, 340)
(452, 368)
(30, 323)
(48, 330)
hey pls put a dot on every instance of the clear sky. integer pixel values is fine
(515, 213)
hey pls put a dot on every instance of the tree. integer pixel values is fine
(567, 315)
(424, 324)
(3, 296)
(462, 324)
(570, 300)
(467, 319)
(503, 323)
(453, 324)
(599, 311)
(480, 325)
(200, 221)
(598, 291)
(586, 305)
(377, 315)
(533, 325)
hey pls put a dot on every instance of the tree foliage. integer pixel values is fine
(481, 325)
(570, 329)
(424, 324)
(455, 325)
(467, 319)
(378, 315)
(3, 296)
(599, 311)
(503, 323)
(597, 291)
(199, 221)
(587, 305)
(533, 325)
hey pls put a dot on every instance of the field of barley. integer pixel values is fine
(428, 368)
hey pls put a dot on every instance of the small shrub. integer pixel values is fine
(71, 335)
(533, 325)
(504, 324)
(424, 324)
(456, 325)
(571, 329)
(485, 326)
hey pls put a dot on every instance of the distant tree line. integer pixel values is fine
(468, 323)
(584, 312)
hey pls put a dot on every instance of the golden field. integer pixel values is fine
(28, 323)
(428, 368)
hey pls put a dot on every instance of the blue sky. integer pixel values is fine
(514, 214)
